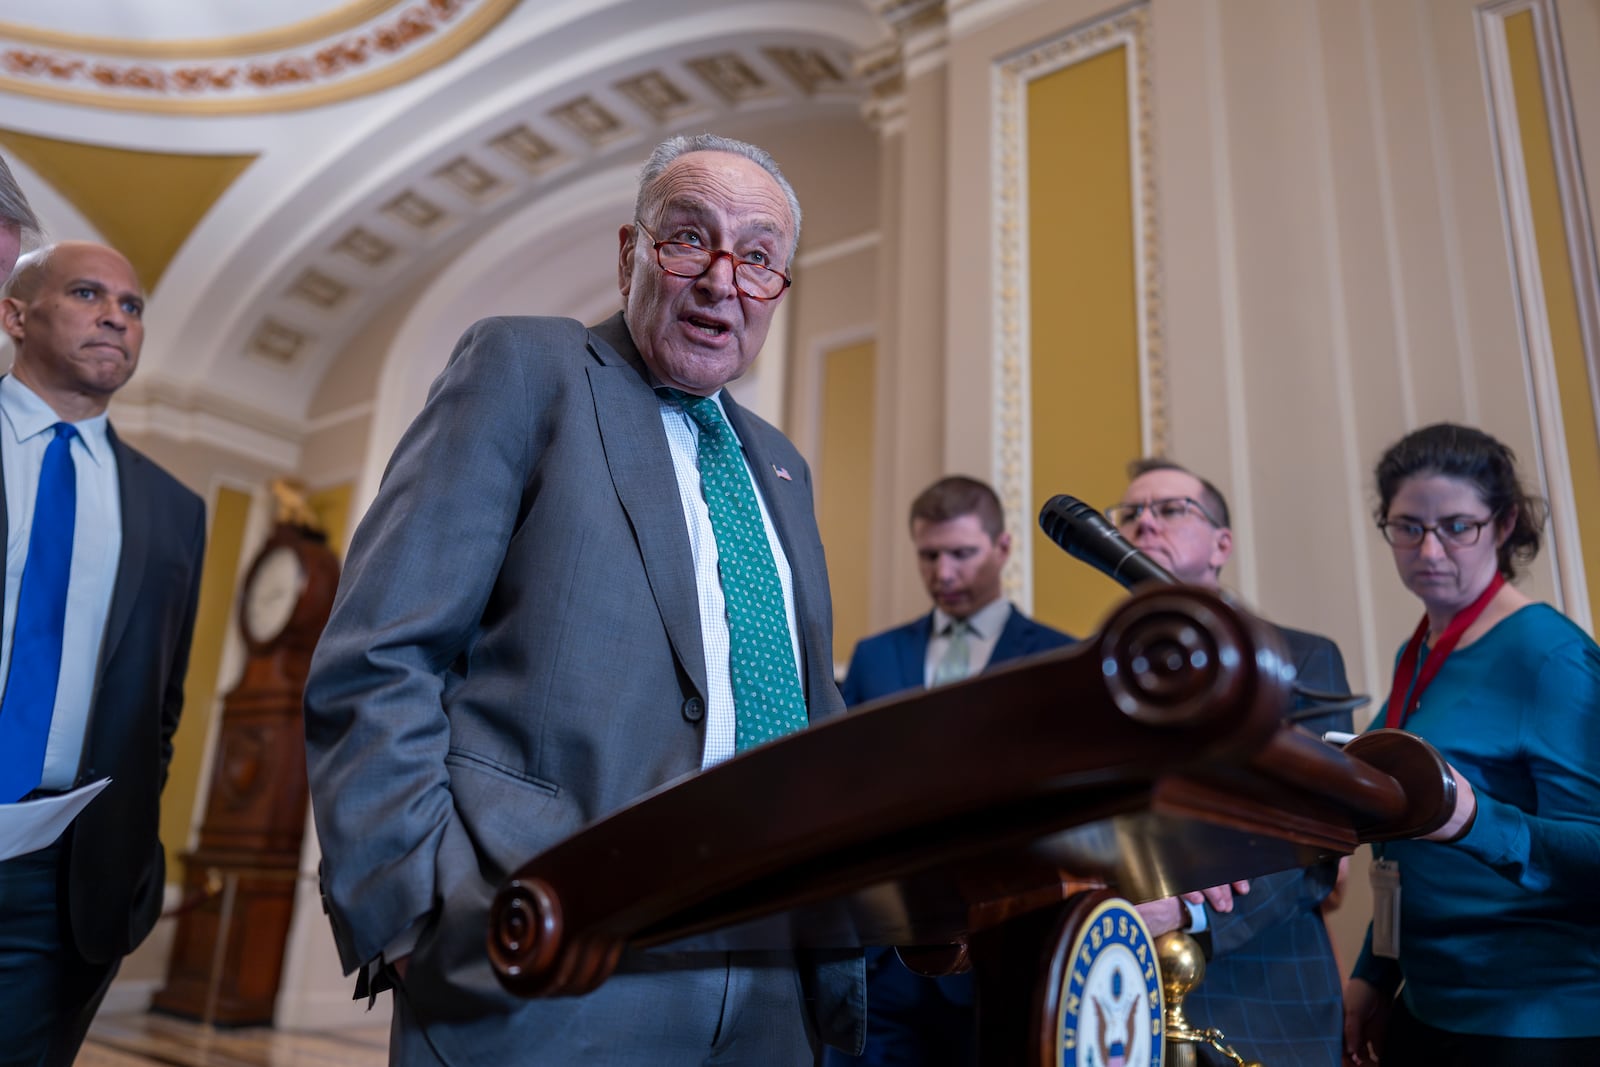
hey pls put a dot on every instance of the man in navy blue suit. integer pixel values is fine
(1271, 983)
(101, 579)
(958, 528)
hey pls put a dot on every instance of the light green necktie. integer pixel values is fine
(767, 699)
(956, 663)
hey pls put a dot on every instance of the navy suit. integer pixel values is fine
(912, 1019)
(98, 889)
(1271, 983)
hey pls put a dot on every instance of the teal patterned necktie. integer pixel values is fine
(766, 691)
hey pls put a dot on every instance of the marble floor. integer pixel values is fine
(143, 1040)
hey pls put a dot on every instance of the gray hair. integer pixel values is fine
(24, 280)
(14, 207)
(667, 151)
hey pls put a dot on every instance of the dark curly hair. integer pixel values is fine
(1472, 456)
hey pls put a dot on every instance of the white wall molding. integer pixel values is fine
(1531, 306)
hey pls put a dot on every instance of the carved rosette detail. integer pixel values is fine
(1011, 455)
(531, 952)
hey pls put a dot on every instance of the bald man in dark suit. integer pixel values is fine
(94, 669)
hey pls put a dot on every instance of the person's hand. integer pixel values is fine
(1220, 897)
(1161, 916)
(1460, 819)
(1366, 1020)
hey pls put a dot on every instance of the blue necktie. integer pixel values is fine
(30, 694)
(767, 699)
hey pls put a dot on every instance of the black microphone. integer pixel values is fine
(1086, 535)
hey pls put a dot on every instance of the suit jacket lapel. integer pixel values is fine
(789, 504)
(636, 453)
(911, 653)
(1011, 643)
(787, 500)
(136, 518)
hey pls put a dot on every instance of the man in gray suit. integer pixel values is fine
(17, 221)
(1271, 984)
(579, 548)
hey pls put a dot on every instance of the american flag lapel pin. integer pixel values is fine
(780, 472)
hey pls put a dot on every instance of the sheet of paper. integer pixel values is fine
(35, 824)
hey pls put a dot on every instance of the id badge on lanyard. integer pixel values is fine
(1385, 875)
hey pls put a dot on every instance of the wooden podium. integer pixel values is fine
(967, 821)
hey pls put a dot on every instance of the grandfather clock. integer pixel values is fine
(239, 883)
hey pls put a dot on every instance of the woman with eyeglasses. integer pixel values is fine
(1492, 939)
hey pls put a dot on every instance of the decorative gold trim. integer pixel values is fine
(296, 34)
(330, 62)
(1012, 467)
(1553, 288)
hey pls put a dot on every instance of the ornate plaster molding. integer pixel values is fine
(367, 47)
(1012, 464)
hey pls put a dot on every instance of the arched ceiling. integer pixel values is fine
(343, 202)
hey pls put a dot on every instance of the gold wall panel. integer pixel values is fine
(845, 497)
(1084, 378)
(214, 620)
(145, 204)
(332, 507)
(1560, 289)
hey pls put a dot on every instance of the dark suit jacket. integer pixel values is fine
(116, 870)
(893, 661)
(908, 1019)
(515, 651)
(1271, 984)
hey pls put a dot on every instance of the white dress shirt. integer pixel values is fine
(983, 633)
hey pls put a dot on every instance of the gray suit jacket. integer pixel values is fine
(515, 651)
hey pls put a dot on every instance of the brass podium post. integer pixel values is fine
(1183, 965)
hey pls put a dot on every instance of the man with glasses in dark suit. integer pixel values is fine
(1272, 985)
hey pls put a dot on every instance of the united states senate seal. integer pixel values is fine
(1111, 1008)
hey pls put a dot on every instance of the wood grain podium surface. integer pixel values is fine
(1154, 757)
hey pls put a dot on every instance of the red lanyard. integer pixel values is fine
(1407, 668)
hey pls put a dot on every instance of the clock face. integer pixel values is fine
(271, 597)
